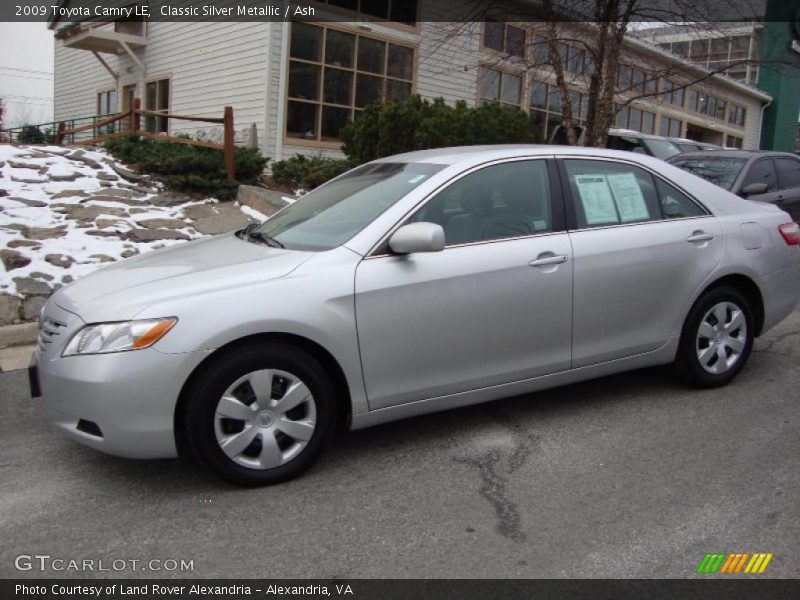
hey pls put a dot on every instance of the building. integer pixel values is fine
(762, 54)
(300, 82)
(729, 48)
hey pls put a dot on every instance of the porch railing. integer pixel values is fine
(97, 129)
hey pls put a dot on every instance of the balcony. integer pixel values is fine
(105, 38)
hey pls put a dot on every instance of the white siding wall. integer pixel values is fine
(210, 66)
(448, 61)
(752, 124)
(78, 77)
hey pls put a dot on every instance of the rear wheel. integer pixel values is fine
(717, 338)
(260, 414)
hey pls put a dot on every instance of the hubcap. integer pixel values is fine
(721, 338)
(265, 419)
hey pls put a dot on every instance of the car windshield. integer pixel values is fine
(333, 213)
(719, 170)
(661, 148)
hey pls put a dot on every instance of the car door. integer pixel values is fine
(762, 171)
(641, 250)
(493, 307)
(788, 169)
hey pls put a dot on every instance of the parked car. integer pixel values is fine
(412, 284)
(641, 143)
(625, 139)
(772, 177)
(687, 145)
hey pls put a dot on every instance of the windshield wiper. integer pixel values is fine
(250, 234)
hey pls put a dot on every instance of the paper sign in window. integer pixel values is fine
(628, 197)
(596, 198)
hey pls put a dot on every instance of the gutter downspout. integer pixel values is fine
(761, 122)
(282, 91)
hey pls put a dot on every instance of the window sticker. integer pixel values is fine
(628, 197)
(416, 179)
(596, 198)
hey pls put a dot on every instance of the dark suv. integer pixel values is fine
(772, 177)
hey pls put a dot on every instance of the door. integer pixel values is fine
(788, 169)
(762, 171)
(493, 307)
(128, 94)
(641, 250)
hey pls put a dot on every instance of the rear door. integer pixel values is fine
(763, 171)
(788, 169)
(641, 249)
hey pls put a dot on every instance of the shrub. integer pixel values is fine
(31, 134)
(308, 172)
(188, 168)
(417, 124)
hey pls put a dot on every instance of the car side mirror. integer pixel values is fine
(417, 237)
(753, 189)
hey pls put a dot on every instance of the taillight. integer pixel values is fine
(790, 233)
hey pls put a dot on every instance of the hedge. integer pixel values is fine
(308, 172)
(418, 124)
(188, 168)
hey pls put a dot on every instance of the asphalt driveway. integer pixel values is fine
(629, 476)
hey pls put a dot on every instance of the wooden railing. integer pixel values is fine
(131, 124)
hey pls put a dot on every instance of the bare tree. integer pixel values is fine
(598, 32)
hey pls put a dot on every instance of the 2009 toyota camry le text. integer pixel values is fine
(412, 284)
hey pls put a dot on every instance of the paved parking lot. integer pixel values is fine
(629, 476)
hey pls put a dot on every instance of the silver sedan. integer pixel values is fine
(416, 283)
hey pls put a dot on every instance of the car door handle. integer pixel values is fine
(700, 236)
(548, 260)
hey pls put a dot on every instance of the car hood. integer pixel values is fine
(124, 289)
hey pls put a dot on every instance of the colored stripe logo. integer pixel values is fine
(734, 562)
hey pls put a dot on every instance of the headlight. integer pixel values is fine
(118, 337)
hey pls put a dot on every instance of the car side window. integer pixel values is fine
(610, 193)
(788, 172)
(762, 171)
(501, 201)
(675, 204)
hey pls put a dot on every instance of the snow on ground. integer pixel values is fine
(78, 192)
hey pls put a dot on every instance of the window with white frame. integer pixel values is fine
(546, 108)
(156, 98)
(736, 115)
(733, 141)
(504, 38)
(636, 119)
(672, 93)
(499, 87)
(669, 127)
(334, 74)
(107, 102)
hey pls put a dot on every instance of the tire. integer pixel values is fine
(260, 414)
(711, 355)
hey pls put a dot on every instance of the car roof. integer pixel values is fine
(479, 154)
(728, 153)
(678, 140)
(636, 134)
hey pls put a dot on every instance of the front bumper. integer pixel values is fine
(121, 403)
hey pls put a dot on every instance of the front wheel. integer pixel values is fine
(717, 338)
(260, 414)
